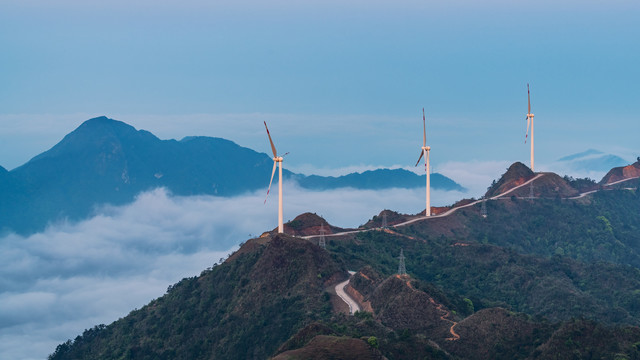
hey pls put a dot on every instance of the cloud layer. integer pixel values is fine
(72, 276)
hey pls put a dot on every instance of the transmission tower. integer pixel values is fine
(402, 270)
(483, 208)
(384, 220)
(322, 243)
(531, 191)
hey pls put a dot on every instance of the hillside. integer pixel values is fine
(541, 278)
(242, 309)
(274, 300)
(105, 161)
(621, 173)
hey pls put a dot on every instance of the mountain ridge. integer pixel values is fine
(407, 311)
(106, 161)
(514, 284)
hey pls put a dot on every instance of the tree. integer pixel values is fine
(469, 304)
(373, 342)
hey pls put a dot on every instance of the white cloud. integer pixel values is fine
(70, 277)
(73, 276)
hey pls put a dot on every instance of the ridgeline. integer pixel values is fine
(553, 276)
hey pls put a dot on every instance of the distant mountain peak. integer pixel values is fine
(590, 161)
(94, 134)
(583, 154)
(99, 118)
(103, 123)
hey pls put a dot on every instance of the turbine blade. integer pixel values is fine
(529, 99)
(527, 134)
(424, 130)
(271, 181)
(421, 152)
(273, 148)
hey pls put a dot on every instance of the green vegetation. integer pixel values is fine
(215, 316)
(544, 279)
(373, 341)
(581, 184)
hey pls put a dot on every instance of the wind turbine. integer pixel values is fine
(276, 159)
(425, 152)
(529, 121)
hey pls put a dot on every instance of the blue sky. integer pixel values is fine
(341, 84)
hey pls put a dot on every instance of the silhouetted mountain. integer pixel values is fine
(105, 161)
(379, 179)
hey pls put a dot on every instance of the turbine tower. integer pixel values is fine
(529, 121)
(425, 152)
(276, 160)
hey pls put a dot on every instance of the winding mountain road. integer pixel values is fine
(619, 181)
(353, 305)
(423, 218)
(453, 210)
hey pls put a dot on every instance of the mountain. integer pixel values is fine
(378, 179)
(590, 161)
(517, 174)
(622, 172)
(541, 278)
(550, 185)
(242, 309)
(106, 161)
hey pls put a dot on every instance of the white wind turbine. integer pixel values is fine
(425, 152)
(276, 159)
(529, 121)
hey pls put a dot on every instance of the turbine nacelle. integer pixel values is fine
(426, 148)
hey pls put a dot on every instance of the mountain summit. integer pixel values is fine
(517, 174)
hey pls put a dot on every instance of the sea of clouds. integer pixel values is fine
(72, 276)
